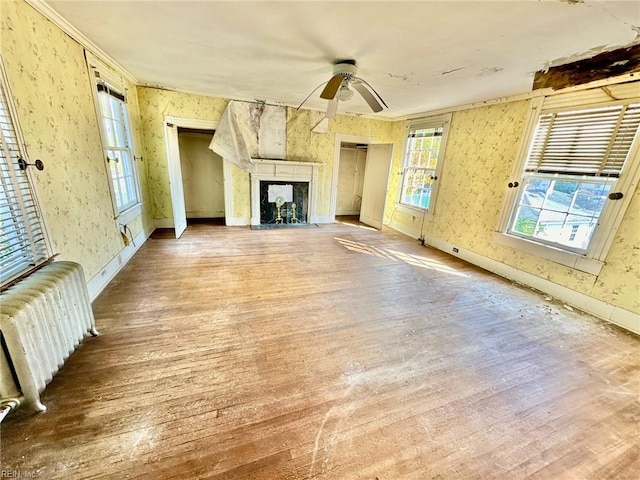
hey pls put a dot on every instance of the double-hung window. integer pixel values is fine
(424, 151)
(116, 138)
(581, 166)
(24, 244)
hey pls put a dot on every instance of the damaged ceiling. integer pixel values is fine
(419, 55)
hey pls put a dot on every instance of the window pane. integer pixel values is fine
(550, 226)
(421, 161)
(578, 231)
(417, 187)
(560, 197)
(568, 213)
(535, 192)
(590, 199)
(113, 114)
(526, 220)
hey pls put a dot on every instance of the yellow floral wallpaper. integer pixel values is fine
(48, 77)
(479, 156)
(155, 104)
(304, 145)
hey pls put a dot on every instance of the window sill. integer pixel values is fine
(414, 211)
(129, 214)
(573, 260)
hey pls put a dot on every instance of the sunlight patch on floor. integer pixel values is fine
(395, 255)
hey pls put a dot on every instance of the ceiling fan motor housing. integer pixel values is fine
(345, 69)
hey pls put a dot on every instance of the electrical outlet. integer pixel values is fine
(455, 249)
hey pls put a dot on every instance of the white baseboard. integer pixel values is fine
(102, 278)
(415, 233)
(237, 221)
(611, 313)
(325, 219)
(164, 222)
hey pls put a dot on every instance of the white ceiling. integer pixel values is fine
(419, 55)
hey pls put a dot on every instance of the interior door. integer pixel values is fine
(175, 180)
(376, 179)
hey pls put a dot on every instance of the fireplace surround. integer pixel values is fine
(282, 173)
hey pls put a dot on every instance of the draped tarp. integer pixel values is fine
(247, 131)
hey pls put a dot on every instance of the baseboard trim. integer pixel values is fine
(237, 221)
(325, 219)
(163, 222)
(611, 313)
(97, 284)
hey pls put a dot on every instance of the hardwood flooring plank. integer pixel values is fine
(331, 353)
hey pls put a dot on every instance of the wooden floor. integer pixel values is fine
(332, 352)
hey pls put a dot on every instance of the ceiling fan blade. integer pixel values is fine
(368, 96)
(373, 90)
(332, 87)
(314, 91)
(332, 107)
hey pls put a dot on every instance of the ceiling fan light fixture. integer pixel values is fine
(345, 93)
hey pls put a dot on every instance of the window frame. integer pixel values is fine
(99, 73)
(440, 121)
(592, 260)
(9, 277)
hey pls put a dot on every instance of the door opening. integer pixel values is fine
(202, 176)
(353, 158)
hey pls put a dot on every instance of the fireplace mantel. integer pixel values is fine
(284, 171)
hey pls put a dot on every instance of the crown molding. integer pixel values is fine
(49, 13)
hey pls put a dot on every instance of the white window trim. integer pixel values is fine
(443, 121)
(49, 245)
(112, 78)
(612, 213)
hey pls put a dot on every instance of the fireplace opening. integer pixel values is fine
(284, 203)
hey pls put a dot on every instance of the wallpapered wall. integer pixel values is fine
(480, 152)
(155, 104)
(52, 91)
(302, 144)
(48, 77)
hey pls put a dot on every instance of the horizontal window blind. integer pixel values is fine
(432, 132)
(22, 240)
(103, 87)
(592, 142)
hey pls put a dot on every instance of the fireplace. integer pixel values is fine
(283, 192)
(284, 203)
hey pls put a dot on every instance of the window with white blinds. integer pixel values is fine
(592, 142)
(580, 171)
(23, 244)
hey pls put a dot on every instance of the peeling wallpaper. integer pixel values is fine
(51, 88)
(481, 149)
(48, 76)
(302, 144)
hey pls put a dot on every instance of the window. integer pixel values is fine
(23, 241)
(424, 151)
(116, 137)
(580, 170)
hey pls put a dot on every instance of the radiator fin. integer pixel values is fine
(43, 318)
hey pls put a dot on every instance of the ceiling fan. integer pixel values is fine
(341, 85)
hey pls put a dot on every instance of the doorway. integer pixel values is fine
(360, 179)
(202, 175)
(353, 158)
(173, 127)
